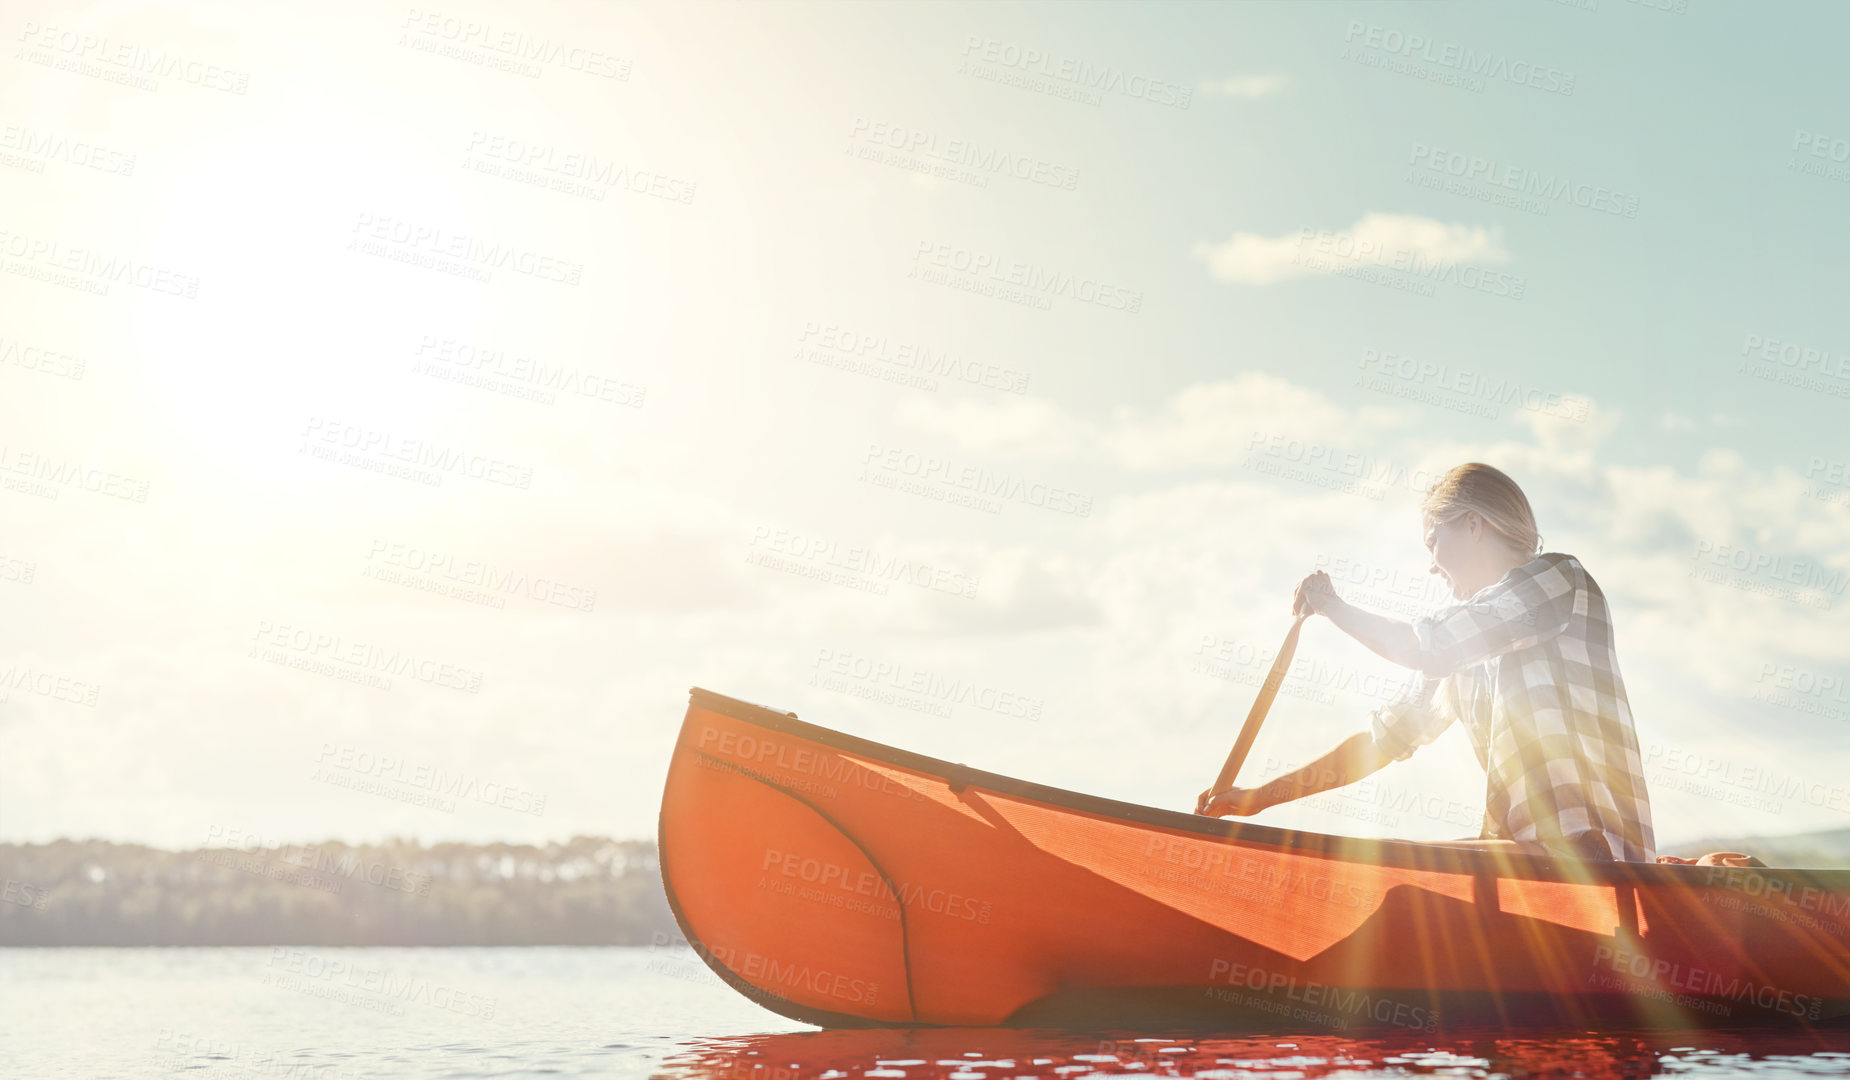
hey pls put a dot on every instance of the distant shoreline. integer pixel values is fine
(586, 891)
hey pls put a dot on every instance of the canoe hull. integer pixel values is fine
(845, 883)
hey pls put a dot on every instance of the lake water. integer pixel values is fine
(332, 1014)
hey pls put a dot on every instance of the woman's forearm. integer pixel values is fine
(1355, 758)
(1390, 639)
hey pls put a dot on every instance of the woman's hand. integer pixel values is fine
(1240, 802)
(1316, 593)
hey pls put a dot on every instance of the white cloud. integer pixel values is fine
(1563, 431)
(1245, 86)
(1024, 590)
(1028, 426)
(1385, 240)
(1206, 425)
(1675, 421)
(1215, 424)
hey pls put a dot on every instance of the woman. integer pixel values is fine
(1525, 658)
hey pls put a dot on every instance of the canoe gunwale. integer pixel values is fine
(1380, 852)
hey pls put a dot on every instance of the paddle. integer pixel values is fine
(1256, 715)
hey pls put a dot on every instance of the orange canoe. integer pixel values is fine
(846, 883)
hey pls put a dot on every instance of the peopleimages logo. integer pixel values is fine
(24, 894)
(1804, 690)
(433, 247)
(987, 160)
(294, 646)
(28, 466)
(796, 766)
(1359, 1004)
(1334, 251)
(1550, 186)
(420, 458)
(868, 568)
(47, 684)
(437, 26)
(517, 375)
(1364, 468)
(852, 882)
(1270, 878)
(971, 477)
(352, 981)
(96, 268)
(40, 146)
(571, 165)
(347, 864)
(91, 54)
(1034, 282)
(1080, 74)
(1475, 386)
(1821, 146)
(1671, 975)
(432, 564)
(423, 776)
(1804, 573)
(912, 358)
(1735, 782)
(1460, 58)
(45, 361)
(938, 688)
(1797, 355)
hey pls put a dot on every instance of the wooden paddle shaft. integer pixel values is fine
(1256, 715)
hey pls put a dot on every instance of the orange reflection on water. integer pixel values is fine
(1005, 1054)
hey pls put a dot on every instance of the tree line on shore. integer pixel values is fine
(587, 891)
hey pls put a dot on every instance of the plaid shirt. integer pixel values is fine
(1528, 665)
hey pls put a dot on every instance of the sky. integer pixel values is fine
(401, 408)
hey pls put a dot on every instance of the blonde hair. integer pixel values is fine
(1495, 497)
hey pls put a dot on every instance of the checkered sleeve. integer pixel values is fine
(1412, 720)
(1528, 605)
